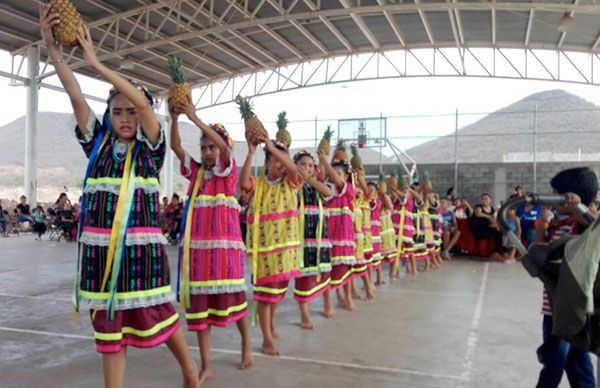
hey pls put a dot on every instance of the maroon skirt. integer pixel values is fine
(143, 327)
(215, 310)
(307, 288)
(271, 292)
(340, 275)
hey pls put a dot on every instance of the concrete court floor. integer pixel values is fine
(471, 324)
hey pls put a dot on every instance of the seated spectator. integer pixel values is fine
(65, 218)
(450, 232)
(488, 238)
(517, 193)
(24, 210)
(528, 214)
(173, 213)
(39, 222)
(463, 212)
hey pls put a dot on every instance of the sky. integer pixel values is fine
(399, 100)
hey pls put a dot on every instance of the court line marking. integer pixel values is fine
(371, 368)
(474, 331)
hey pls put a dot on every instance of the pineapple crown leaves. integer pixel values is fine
(245, 106)
(354, 150)
(381, 177)
(282, 120)
(425, 177)
(328, 133)
(341, 144)
(176, 69)
(393, 175)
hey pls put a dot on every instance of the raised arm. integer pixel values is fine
(65, 74)
(333, 176)
(288, 164)
(175, 138)
(148, 121)
(313, 181)
(362, 182)
(190, 112)
(245, 181)
(387, 202)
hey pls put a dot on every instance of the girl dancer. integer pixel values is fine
(212, 252)
(273, 238)
(123, 273)
(314, 216)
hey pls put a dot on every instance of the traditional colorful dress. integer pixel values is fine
(341, 234)
(420, 247)
(388, 236)
(365, 207)
(315, 274)
(437, 224)
(273, 244)
(214, 281)
(375, 207)
(122, 244)
(360, 265)
(429, 214)
(403, 218)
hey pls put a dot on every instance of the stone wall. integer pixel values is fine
(498, 179)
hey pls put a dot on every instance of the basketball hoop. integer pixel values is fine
(362, 134)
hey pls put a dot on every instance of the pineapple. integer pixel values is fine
(393, 180)
(283, 135)
(382, 186)
(254, 127)
(403, 182)
(325, 143)
(70, 24)
(180, 92)
(426, 183)
(340, 152)
(356, 161)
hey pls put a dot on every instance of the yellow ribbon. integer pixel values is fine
(319, 236)
(117, 220)
(255, 226)
(301, 226)
(187, 233)
(400, 237)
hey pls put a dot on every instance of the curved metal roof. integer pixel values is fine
(222, 39)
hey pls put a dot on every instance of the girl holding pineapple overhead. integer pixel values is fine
(212, 253)
(341, 225)
(273, 238)
(314, 279)
(377, 194)
(403, 218)
(119, 232)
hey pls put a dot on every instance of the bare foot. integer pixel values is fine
(350, 306)
(191, 379)
(329, 314)
(269, 350)
(307, 325)
(370, 294)
(340, 299)
(247, 360)
(379, 283)
(205, 374)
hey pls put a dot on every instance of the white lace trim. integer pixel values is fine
(375, 223)
(343, 261)
(141, 137)
(127, 304)
(342, 243)
(103, 240)
(216, 244)
(215, 290)
(225, 173)
(199, 202)
(89, 126)
(335, 212)
(313, 244)
(316, 212)
(325, 267)
(114, 188)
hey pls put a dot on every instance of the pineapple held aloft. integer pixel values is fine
(381, 185)
(356, 161)
(180, 92)
(325, 143)
(393, 181)
(71, 23)
(340, 152)
(254, 127)
(426, 184)
(283, 135)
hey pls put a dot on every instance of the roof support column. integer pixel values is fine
(31, 128)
